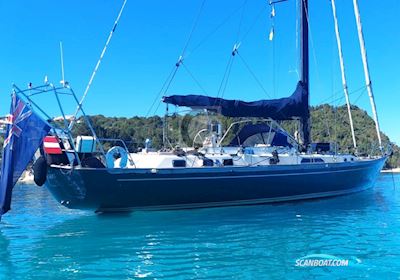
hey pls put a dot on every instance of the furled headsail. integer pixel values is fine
(288, 108)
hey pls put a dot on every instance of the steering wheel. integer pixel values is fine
(198, 135)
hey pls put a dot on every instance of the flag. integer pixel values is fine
(271, 34)
(52, 146)
(24, 134)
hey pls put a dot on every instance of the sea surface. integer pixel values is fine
(39, 239)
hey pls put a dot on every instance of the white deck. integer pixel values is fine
(257, 156)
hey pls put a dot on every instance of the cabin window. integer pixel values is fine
(312, 160)
(228, 162)
(208, 162)
(179, 163)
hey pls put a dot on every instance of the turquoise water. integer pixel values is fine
(41, 240)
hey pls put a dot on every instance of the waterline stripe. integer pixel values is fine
(237, 176)
(236, 202)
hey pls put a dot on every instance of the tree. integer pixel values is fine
(329, 124)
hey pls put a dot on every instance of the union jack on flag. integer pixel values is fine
(24, 135)
(19, 114)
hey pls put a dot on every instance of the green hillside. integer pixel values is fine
(329, 124)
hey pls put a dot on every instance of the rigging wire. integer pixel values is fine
(256, 19)
(295, 70)
(272, 39)
(225, 77)
(97, 65)
(167, 87)
(336, 115)
(340, 98)
(342, 68)
(360, 95)
(173, 73)
(366, 72)
(228, 69)
(335, 129)
(312, 45)
(327, 124)
(275, 68)
(194, 78)
(338, 118)
(223, 22)
(334, 94)
(297, 33)
(227, 80)
(241, 20)
(253, 74)
(236, 52)
(193, 28)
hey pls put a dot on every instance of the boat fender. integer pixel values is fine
(115, 153)
(40, 171)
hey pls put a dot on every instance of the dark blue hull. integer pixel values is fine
(146, 189)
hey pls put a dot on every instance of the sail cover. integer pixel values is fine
(293, 107)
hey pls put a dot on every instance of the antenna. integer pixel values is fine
(62, 64)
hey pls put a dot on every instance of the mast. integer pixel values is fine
(304, 67)
(366, 71)
(344, 80)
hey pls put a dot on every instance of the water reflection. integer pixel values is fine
(211, 243)
(6, 266)
(201, 243)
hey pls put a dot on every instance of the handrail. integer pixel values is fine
(124, 146)
(48, 88)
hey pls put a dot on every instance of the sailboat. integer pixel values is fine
(81, 174)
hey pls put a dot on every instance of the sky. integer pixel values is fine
(152, 35)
